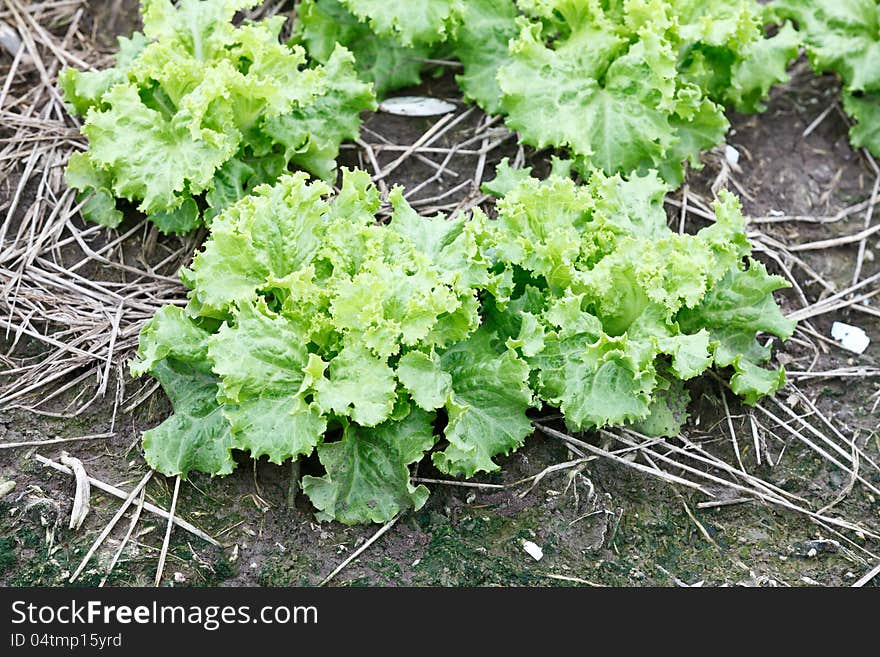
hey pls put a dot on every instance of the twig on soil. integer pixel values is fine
(839, 373)
(861, 236)
(576, 580)
(818, 120)
(756, 488)
(461, 484)
(867, 577)
(730, 427)
(152, 508)
(54, 441)
(816, 448)
(354, 555)
(82, 497)
(712, 504)
(631, 464)
(110, 525)
(164, 553)
(134, 520)
(860, 258)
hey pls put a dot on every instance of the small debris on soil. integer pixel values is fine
(732, 155)
(83, 490)
(851, 338)
(6, 487)
(533, 550)
(416, 106)
(814, 548)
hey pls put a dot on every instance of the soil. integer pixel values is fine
(602, 525)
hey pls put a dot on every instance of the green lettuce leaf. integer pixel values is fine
(367, 476)
(615, 308)
(628, 87)
(411, 22)
(487, 406)
(382, 60)
(198, 109)
(481, 45)
(174, 350)
(865, 110)
(841, 36)
(197, 437)
(766, 66)
(734, 312)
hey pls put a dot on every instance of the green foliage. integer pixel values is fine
(843, 36)
(382, 60)
(198, 112)
(411, 22)
(311, 327)
(632, 86)
(623, 86)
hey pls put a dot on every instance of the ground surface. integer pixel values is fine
(601, 523)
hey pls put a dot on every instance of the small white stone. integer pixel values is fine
(731, 154)
(6, 487)
(180, 578)
(416, 106)
(851, 338)
(534, 551)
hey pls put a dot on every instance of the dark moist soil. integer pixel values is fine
(604, 524)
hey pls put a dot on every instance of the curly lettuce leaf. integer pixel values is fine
(628, 87)
(262, 368)
(605, 316)
(268, 235)
(734, 312)
(865, 110)
(367, 476)
(486, 407)
(359, 385)
(481, 45)
(95, 185)
(198, 112)
(765, 66)
(554, 97)
(197, 437)
(306, 313)
(152, 161)
(311, 135)
(841, 36)
(381, 60)
(411, 22)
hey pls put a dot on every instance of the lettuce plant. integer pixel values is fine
(382, 60)
(198, 111)
(843, 36)
(313, 327)
(638, 84)
(391, 41)
(622, 85)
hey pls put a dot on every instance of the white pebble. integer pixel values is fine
(533, 550)
(732, 155)
(851, 338)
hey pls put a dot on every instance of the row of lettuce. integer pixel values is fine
(314, 327)
(198, 112)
